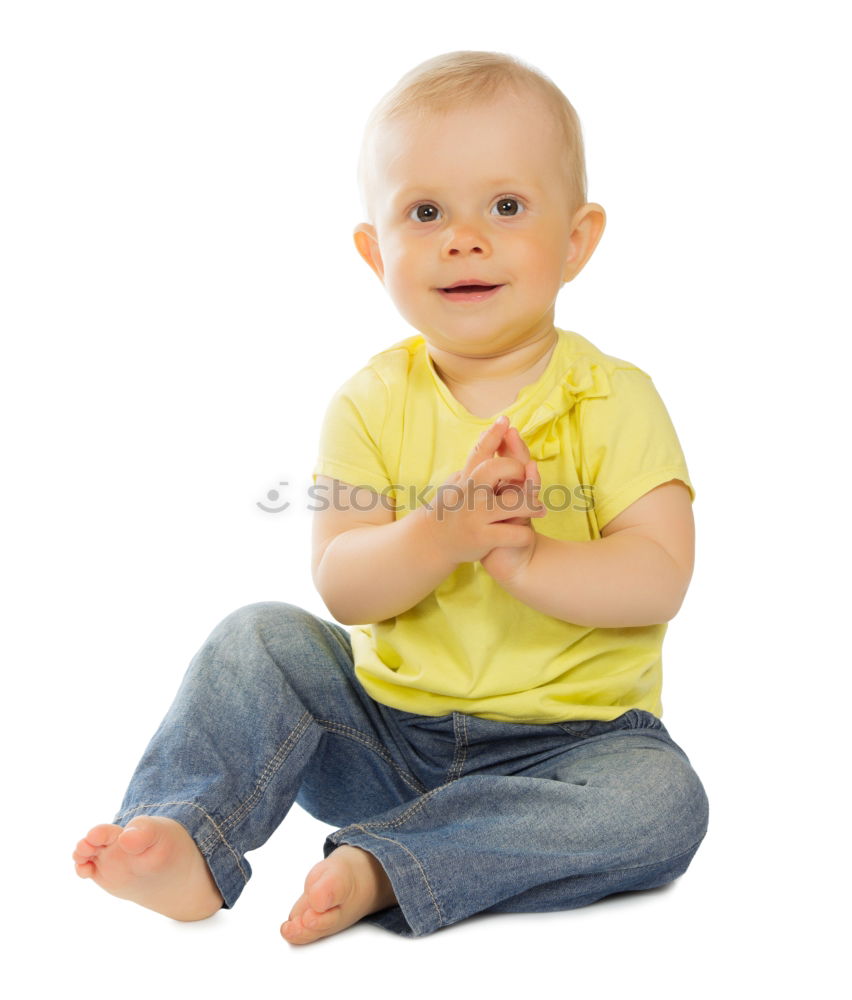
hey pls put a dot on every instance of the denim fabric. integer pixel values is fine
(466, 815)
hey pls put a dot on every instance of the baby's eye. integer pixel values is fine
(425, 213)
(508, 206)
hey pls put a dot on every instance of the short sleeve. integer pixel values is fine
(350, 438)
(629, 444)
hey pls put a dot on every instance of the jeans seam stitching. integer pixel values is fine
(460, 756)
(266, 776)
(466, 744)
(389, 824)
(204, 846)
(357, 736)
(451, 773)
(416, 860)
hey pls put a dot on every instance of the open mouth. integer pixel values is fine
(469, 293)
(469, 288)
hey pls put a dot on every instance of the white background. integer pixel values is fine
(181, 295)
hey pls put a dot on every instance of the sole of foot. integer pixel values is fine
(154, 862)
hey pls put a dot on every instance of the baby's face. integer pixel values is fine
(477, 195)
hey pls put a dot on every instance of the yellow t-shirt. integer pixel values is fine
(602, 438)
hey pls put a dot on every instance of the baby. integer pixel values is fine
(510, 510)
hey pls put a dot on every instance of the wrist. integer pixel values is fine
(512, 567)
(433, 544)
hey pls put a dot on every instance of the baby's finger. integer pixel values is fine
(514, 446)
(521, 500)
(533, 487)
(487, 444)
(497, 472)
(531, 472)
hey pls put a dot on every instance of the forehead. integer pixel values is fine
(509, 136)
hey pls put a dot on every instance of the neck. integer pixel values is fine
(521, 363)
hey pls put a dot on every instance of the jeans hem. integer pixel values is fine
(230, 872)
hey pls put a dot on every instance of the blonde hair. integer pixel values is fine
(465, 78)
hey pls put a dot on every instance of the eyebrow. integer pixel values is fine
(499, 183)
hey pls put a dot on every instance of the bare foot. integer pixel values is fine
(152, 861)
(348, 885)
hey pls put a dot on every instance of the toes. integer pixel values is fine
(330, 902)
(293, 932)
(310, 926)
(85, 869)
(103, 835)
(84, 852)
(304, 923)
(323, 891)
(315, 874)
(138, 836)
(323, 923)
(299, 908)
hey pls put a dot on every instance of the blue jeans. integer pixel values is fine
(465, 815)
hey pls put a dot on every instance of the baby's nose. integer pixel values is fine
(465, 240)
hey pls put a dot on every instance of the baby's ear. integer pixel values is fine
(367, 244)
(587, 227)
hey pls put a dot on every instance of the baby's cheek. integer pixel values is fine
(401, 287)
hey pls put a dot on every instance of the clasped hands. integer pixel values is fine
(469, 520)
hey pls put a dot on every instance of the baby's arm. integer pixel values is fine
(369, 567)
(366, 565)
(636, 574)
